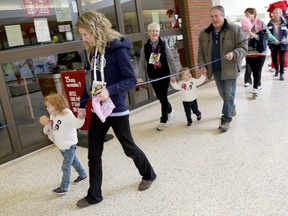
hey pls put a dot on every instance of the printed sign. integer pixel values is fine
(42, 30)
(37, 7)
(73, 83)
(14, 35)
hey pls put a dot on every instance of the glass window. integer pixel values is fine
(141, 91)
(29, 22)
(106, 7)
(166, 13)
(175, 42)
(129, 16)
(28, 82)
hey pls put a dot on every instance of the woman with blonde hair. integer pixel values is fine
(109, 58)
(278, 27)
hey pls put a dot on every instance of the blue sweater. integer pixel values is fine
(118, 74)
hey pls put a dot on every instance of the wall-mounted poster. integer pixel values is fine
(42, 30)
(37, 7)
(62, 10)
(73, 83)
(14, 35)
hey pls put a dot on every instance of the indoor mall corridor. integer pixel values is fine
(201, 172)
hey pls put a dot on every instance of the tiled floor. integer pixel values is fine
(201, 172)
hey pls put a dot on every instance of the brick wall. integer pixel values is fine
(196, 15)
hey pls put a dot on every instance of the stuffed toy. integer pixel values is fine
(47, 129)
(44, 120)
(246, 24)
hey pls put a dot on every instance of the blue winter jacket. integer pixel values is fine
(282, 34)
(118, 74)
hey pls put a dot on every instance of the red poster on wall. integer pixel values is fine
(73, 83)
(37, 7)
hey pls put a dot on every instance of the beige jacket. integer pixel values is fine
(232, 39)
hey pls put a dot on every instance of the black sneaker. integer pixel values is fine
(59, 191)
(79, 179)
(189, 124)
(199, 117)
(276, 74)
(224, 126)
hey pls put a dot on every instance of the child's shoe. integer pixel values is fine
(59, 191)
(79, 179)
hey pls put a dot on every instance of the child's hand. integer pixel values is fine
(203, 71)
(81, 113)
(139, 80)
(173, 79)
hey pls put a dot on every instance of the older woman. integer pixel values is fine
(157, 59)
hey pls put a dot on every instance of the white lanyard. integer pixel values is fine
(102, 65)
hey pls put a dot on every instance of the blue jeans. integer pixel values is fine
(70, 159)
(227, 90)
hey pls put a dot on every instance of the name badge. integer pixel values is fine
(97, 85)
(154, 58)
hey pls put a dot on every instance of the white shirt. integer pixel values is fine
(64, 129)
(187, 89)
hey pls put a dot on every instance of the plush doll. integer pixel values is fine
(246, 24)
(44, 120)
(47, 129)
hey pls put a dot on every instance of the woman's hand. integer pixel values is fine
(102, 94)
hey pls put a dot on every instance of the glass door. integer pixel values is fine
(5, 146)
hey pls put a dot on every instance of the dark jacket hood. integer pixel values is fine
(118, 43)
